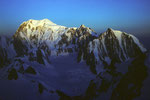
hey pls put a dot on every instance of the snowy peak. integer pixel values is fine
(111, 31)
(47, 21)
(41, 22)
(120, 36)
(119, 45)
(82, 26)
(37, 31)
(38, 26)
(86, 30)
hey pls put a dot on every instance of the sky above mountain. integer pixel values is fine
(131, 16)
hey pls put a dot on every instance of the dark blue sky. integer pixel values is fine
(132, 16)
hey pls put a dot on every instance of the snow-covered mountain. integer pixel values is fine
(42, 48)
(51, 40)
(54, 38)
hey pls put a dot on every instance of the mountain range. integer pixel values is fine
(46, 61)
